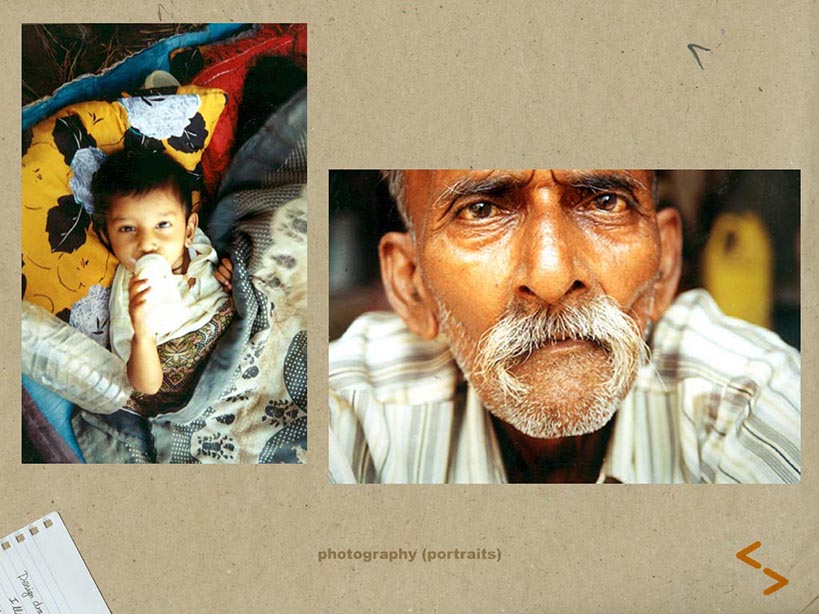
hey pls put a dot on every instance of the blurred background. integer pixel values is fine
(741, 242)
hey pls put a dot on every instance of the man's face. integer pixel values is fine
(515, 268)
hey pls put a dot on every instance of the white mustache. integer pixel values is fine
(520, 332)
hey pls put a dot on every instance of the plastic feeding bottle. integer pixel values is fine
(164, 302)
(70, 363)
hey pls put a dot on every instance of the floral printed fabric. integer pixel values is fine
(161, 117)
(250, 405)
(62, 257)
(183, 360)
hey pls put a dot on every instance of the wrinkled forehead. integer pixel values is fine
(424, 189)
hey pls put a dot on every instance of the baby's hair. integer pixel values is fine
(135, 173)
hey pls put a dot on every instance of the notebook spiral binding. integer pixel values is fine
(19, 536)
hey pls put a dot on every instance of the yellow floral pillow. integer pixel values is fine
(66, 269)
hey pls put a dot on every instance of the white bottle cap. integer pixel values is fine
(152, 267)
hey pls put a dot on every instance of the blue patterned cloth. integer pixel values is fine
(260, 215)
(127, 75)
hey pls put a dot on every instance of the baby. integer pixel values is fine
(142, 205)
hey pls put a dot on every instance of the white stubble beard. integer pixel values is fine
(518, 333)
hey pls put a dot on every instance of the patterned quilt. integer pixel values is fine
(250, 405)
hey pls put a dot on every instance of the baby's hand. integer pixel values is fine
(138, 298)
(224, 274)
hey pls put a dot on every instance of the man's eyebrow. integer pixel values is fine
(599, 181)
(495, 183)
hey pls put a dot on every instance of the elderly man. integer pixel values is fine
(538, 337)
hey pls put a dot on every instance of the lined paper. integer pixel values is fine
(41, 571)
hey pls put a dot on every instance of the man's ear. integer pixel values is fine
(404, 286)
(190, 228)
(665, 288)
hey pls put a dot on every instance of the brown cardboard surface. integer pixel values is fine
(458, 84)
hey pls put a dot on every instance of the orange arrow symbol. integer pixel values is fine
(742, 555)
(780, 581)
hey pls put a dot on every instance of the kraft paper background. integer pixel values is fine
(458, 84)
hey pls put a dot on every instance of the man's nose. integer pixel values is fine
(552, 264)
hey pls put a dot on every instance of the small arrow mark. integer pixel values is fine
(691, 47)
(742, 555)
(780, 581)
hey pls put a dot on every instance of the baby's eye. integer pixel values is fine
(126, 229)
(165, 224)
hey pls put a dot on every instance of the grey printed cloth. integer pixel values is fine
(250, 405)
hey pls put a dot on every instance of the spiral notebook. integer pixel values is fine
(41, 571)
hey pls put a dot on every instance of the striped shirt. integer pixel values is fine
(718, 403)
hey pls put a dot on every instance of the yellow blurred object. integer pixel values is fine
(738, 267)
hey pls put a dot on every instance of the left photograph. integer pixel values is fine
(164, 243)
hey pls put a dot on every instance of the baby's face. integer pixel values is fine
(153, 223)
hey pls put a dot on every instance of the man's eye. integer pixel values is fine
(478, 211)
(609, 203)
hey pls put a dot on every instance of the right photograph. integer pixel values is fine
(564, 326)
